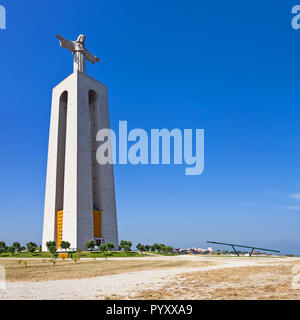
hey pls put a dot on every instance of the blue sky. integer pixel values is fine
(231, 68)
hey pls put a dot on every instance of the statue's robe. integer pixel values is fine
(79, 52)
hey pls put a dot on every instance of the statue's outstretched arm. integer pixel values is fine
(65, 43)
(91, 58)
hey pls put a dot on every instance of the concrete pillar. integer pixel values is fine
(74, 178)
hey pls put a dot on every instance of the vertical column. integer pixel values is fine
(105, 177)
(61, 146)
(84, 169)
(71, 164)
(93, 132)
(56, 164)
(51, 185)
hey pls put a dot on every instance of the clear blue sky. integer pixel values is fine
(229, 67)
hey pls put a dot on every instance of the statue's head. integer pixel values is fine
(81, 38)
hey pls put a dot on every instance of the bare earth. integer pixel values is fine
(178, 277)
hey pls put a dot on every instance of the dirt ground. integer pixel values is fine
(182, 277)
(44, 270)
(250, 283)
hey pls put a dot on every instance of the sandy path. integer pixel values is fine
(126, 284)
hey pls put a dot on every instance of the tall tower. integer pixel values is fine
(80, 200)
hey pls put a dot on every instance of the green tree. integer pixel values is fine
(162, 248)
(110, 246)
(140, 247)
(78, 252)
(155, 247)
(31, 247)
(90, 244)
(126, 248)
(3, 247)
(103, 248)
(65, 245)
(17, 246)
(125, 245)
(11, 250)
(170, 249)
(51, 246)
(147, 247)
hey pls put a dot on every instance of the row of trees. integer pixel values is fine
(156, 247)
(16, 247)
(126, 246)
(109, 246)
(30, 247)
(51, 246)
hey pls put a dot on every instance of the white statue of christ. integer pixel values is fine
(79, 51)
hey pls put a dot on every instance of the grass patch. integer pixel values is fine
(27, 255)
(112, 254)
(83, 254)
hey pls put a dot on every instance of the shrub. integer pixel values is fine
(17, 246)
(65, 245)
(103, 248)
(51, 246)
(162, 248)
(110, 246)
(155, 247)
(11, 250)
(170, 249)
(90, 244)
(3, 247)
(31, 247)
